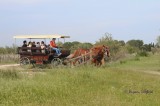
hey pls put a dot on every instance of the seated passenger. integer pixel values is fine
(29, 45)
(33, 45)
(24, 45)
(38, 44)
(43, 47)
(55, 47)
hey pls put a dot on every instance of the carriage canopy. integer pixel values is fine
(39, 36)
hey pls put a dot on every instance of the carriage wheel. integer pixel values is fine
(56, 62)
(25, 62)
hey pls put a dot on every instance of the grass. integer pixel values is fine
(151, 63)
(114, 85)
(8, 58)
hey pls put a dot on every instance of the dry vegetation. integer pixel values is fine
(9, 58)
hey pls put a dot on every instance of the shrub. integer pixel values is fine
(137, 58)
(122, 61)
(142, 53)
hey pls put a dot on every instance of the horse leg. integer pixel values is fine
(74, 63)
(97, 63)
(102, 62)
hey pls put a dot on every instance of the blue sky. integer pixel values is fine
(83, 20)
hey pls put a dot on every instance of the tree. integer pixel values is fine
(105, 39)
(85, 45)
(135, 43)
(147, 47)
(75, 43)
(68, 45)
(122, 43)
(60, 44)
(114, 45)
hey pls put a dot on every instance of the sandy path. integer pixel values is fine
(152, 72)
(14, 65)
(8, 65)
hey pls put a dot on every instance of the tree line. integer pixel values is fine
(117, 47)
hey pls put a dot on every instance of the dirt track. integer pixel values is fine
(14, 65)
(152, 72)
(8, 65)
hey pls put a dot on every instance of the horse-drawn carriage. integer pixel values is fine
(38, 56)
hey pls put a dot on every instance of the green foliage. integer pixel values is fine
(137, 46)
(143, 53)
(114, 45)
(122, 61)
(81, 45)
(132, 49)
(68, 45)
(59, 44)
(9, 74)
(106, 38)
(7, 50)
(136, 58)
(147, 47)
(121, 43)
(135, 43)
(85, 45)
(75, 45)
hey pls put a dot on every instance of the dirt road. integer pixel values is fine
(8, 66)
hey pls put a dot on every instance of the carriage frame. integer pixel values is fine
(32, 56)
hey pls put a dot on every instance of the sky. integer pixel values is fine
(82, 20)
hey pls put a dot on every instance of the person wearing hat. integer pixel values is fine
(54, 46)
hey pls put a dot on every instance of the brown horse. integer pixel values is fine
(78, 55)
(98, 54)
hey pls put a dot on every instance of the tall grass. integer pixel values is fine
(9, 74)
(9, 58)
(150, 63)
(113, 85)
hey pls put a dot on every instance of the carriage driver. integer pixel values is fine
(55, 47)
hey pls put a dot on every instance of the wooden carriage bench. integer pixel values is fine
(32, 51)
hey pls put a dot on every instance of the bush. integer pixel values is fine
(122, 61)
(143, 53)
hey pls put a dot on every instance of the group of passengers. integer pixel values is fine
(43, 46)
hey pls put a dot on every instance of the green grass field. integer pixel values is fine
(123, 83)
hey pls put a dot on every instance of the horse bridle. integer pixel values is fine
(106, 49)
